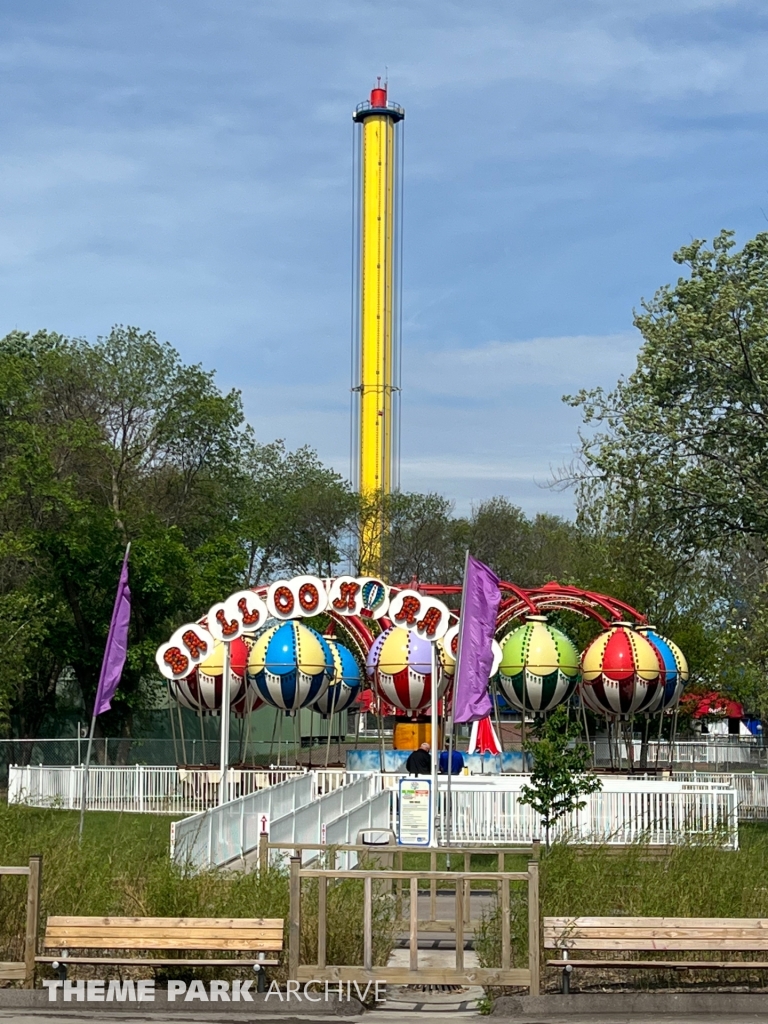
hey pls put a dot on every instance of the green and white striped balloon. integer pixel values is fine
(539, 666)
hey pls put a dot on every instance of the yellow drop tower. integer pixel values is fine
(376, 340)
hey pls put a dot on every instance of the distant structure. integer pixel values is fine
(376, 311)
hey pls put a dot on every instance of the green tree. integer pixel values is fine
(297, 514)
(559, 779)
(680, 443)
(672, 467)
(423, 540)
(101, 444)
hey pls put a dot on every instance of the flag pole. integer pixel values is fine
(226, 689)
(96, 701)
(435, 743)
(84, 792)
(449, 806)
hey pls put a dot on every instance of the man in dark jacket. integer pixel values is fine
(420, 761)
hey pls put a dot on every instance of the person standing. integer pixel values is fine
(419, 761)
(457, 762)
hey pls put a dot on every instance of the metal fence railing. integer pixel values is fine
(622, 812)
(291, 812)
(714, 751)
(128, 751)
(310, 823)
(151, 789)
(222, 834)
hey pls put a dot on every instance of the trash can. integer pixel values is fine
(382, 843)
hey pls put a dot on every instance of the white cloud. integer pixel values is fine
(491, 370)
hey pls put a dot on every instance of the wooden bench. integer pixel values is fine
(233, 934)
(662, 934)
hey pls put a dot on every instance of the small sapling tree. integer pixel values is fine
(560, 778)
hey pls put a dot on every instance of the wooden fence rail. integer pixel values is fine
(397, 854)
(413, 975)
(24, 970)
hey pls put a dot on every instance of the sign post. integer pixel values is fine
(435, 741)
(416, 821)
(226, 688)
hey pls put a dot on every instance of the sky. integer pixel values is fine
(185, 166)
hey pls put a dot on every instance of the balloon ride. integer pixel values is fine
(622, 673)
(290, 666)
(539, 666)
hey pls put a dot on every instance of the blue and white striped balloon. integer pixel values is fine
(346, 682)
(291, 666)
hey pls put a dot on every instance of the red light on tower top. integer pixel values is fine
(379, 95)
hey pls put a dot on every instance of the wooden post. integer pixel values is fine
(33, 917)
(533, 925)
(467, 885)
(401, 885)
(294, 933)
(263, 852)
(459, 923)
(322, 919)
(368, 923)
(433, 887)
(536, 847)
(506, 952)
(414, 929)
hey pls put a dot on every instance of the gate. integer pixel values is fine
(406, 883)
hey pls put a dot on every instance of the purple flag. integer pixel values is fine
(479, 605)
(117, 644)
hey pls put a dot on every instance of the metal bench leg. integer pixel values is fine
(60, 968)
(261, 978)
(567, 969)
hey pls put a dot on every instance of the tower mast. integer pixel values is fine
(376, 341)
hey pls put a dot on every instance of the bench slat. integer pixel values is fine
(663, 933)
(733, 945)
(12, 970)
(152, 961)
(678, 965)
(193, 933)
(151, 942)
(169, 922)
(657, 922)
(228, 934)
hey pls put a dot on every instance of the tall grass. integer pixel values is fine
(692, 881)
(123, 868)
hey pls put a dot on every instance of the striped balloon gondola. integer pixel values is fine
(346, 681)
(675, 668)
(400, 663)
(622, 673)
(539, 666)
(291, 666)
(201, 691)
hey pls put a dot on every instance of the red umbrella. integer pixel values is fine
(484, 739)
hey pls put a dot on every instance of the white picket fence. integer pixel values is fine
(146, 788)
(624, 811)
(709, 751)
(687, 806)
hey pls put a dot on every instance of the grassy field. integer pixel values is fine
(123, 868)
(691, 881)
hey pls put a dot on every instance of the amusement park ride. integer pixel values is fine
(254, 650)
